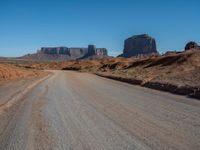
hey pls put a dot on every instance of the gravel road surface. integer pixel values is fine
(80, 111)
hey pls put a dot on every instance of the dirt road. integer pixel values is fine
(80, 111)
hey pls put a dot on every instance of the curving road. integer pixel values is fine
(80, 111)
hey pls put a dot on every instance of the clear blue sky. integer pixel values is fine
(27, 25)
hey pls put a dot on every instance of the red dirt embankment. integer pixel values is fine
(12, 72)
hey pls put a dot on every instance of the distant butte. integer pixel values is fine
(139, 45)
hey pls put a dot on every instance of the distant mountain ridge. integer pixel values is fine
(65, 53)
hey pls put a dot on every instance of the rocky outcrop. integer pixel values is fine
(192, 45)
(63, 53)
(76, 53)
(139, 45)
(91, 50)
(95, 53)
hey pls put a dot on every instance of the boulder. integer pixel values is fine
(139, 45)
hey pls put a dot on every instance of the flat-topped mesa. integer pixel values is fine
(139, 45)
(68, 53)
(55, 50)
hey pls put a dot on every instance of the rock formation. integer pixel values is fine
(62, 53)
(139, 45)
(54, 50)
(192, 45)
(93, 52)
